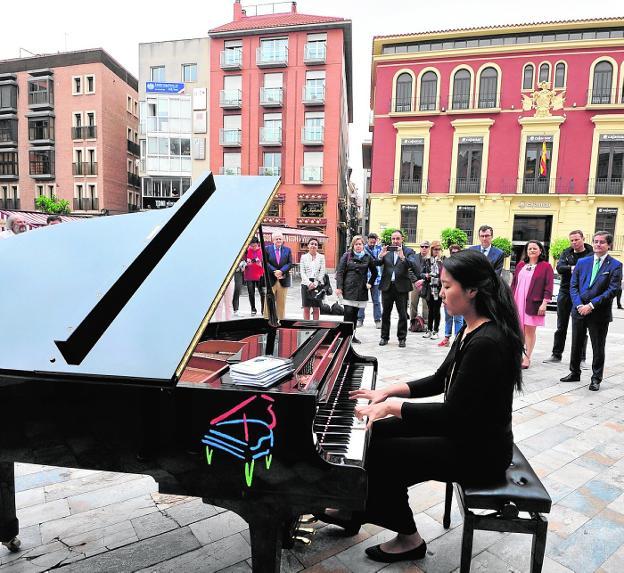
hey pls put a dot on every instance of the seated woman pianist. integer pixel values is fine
(468, 437)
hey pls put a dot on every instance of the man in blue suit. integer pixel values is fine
(594, 283)
(494, 254)
(279, 261)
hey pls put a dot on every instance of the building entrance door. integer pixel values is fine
(527, 227)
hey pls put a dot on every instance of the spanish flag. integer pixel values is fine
(543, 168)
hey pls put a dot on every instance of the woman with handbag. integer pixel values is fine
(467, 438)
(353, 280)
(312, 269)
(431, 285)
(532, 288)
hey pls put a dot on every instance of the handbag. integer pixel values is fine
(327, 285)
(337, 309)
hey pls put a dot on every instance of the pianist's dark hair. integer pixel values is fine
(493, 300)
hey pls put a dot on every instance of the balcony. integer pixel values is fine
(312, 135)
(230, 137)
(274, 220)
(8, 135)
(466, 185)
(536, 186)
(86, 204)
(314, 221)
(606, 186)
(412, 186)
(40, 99)
(271, 97)
(271, 57)
(311, 175)
(230, 99)
(85, 132)
(270, 171)
(232, 59)
(313, 95)
(315, 53)
(134, 180)
(270, 136)
(230, 171)
(133, 148)
(532, 186)
(84, 168)
(604, 96)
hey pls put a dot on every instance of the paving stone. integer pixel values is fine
(217, 527)
(111, 494)
(43, 513)
(84, 484)
(153, 524)
(26, 498)
(192, 511)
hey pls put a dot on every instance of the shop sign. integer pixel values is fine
(163, 88)
(534, 205)
(612, 137)
(414, 141)
(539, 139)
(471, 139)
(607, 211)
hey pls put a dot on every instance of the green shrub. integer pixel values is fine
(386, 235)
(53, 206)
(558, 246)
(502, 244)
(453, 236)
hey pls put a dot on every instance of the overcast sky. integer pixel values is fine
(43, 26)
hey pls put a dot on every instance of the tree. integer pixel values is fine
(386, 235)
(453, 236)
(53, 205)
(558, 246)
(503, 244)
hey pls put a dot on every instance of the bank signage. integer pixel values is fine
(534, 205)
(612, 137)
(414, 141)
(163, 88)
(473, 139)
(539, 139)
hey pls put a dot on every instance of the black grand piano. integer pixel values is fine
(108, 359)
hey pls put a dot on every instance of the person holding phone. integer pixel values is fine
(396, 262)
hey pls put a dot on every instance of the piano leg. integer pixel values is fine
(267, 536)
(9, 525)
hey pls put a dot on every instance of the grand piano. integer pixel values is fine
(109, 361)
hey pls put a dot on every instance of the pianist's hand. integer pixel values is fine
(375, 396)
(374, 412)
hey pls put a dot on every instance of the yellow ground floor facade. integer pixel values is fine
(516, 217)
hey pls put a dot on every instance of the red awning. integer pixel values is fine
(292, 235)
(33, 219)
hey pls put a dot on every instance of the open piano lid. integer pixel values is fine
(125, 296)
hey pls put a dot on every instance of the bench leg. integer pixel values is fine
(466, 549)
(538, 546)
(448, 499)
(9, 525)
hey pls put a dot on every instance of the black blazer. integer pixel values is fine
(477, 410)
(352, 275)
(284, 264)
(402, 280)
(601, 292)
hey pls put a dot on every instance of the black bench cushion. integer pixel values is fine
(521, 486)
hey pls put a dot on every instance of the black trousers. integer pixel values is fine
(433, 315)
(564, 307)
(238, 286)
(598, 336)
(393, 297)
(350, 315)
(618, 297)
(251, 291)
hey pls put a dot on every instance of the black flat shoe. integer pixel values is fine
(356, 340)
(383, 342)
(351, 526)
(570, 378)
(376, 553)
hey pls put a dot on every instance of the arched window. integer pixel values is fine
(403, 100)
(428, 91)
(527, 77)
(601, 87)
(560, 75)
(544, 73)
(461, 90)
(488, 88)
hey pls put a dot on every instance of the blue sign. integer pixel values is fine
(163, 88)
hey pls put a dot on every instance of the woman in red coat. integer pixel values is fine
(532, 288)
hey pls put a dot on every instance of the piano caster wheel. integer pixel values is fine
(305, 531)
(303, 540)
(308, 519)
(13, 545)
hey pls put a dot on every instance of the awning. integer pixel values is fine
(292, 235)
(35, 220)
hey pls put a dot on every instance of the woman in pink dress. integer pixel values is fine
(532, 288)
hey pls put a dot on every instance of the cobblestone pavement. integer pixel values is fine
(82, 521)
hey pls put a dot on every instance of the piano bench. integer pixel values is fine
(520, 491)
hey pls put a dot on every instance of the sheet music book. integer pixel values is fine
(261, 371)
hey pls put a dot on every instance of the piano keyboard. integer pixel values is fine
(337, 429)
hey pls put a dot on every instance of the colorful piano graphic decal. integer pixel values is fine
(242, 433)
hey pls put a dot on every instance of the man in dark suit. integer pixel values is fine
(594, 283)
(279, 261)
(494, 254)
(396, 261)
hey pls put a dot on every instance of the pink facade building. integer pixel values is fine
(69, 128)
(280, 103)
(520, 127)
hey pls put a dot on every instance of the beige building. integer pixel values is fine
(173, 92)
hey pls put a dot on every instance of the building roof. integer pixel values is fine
(286, 19)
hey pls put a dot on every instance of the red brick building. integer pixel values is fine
(281, 102)
(69, 128)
